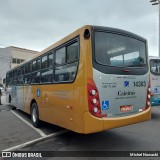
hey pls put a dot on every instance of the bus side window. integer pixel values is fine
(46, 75)
(27, 79)
(46, 68)
(72, 52)
(66, 72)
(34, 66)
(50, 60)
(60, 56)
(44, 62)
(35, 77)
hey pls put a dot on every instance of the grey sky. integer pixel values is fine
(36, 24)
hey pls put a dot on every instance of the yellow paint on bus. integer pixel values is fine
(66, 104)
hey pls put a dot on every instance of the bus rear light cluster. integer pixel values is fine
(148, 96)
(93, 99)
(148, 103)
(95, 109)
(149, 89)
(93, 92)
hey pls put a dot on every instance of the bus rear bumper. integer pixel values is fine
(93, 124)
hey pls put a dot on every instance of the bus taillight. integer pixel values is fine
(93, 99)
(148, 96)
(148, 103)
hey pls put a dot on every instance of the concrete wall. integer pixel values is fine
(6, 56)
(20, 53)
(5, 62)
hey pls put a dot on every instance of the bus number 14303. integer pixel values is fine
(140, 84)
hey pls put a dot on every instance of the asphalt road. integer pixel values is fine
(15, 131)
(143, 136)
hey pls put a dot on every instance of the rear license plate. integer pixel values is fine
(125, 108)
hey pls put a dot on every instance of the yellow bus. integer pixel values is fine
(93, 80)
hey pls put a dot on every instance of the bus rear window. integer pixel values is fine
(118, 50)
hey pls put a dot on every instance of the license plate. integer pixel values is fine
(125, 108)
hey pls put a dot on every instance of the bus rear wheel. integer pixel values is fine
(35, 115)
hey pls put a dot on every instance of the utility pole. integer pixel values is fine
(157, 2)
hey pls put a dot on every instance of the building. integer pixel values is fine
(11, 57)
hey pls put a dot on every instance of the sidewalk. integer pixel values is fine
(3, 99)
(4, 105)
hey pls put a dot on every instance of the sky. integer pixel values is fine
(37, 24)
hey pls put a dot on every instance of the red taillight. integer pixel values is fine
(148, 104)
(93, 99)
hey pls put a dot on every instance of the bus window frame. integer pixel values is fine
(52, 51)
(48, 67)
(66, 44)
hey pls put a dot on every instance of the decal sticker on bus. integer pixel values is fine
(105, 105)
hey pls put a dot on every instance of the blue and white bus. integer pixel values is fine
(154, 63)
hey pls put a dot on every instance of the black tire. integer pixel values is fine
(35, 115)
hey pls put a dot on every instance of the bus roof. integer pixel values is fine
(74, 34)
(116, 30)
